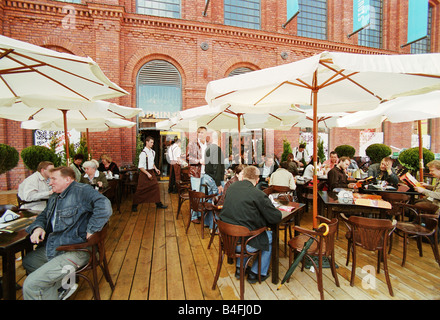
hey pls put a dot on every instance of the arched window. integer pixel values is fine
(239, 71)
(159, 89)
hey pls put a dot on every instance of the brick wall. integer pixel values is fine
(121, 41)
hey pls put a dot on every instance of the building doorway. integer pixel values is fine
(162, 140)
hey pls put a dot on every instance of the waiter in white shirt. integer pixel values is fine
(174, 153)
(35, 188)
(300, 155)
(148, 188)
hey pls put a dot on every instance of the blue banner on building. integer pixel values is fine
(361, 14)
(292, 10)
(417, 20)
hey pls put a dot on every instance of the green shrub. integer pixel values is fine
(286, 150)
(409, 158)
(345, 150)
(8, 158)
(377, 152)
(33, 155)
(321, 153)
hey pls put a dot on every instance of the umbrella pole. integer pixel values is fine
(89, 149)
(315, 157)
(66, 137)
(239, 137)
(421, 165)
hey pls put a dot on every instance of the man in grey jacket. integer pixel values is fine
(73, 213)
(384, 171)
(247, 206)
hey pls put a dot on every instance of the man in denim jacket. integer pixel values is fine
(73, 213)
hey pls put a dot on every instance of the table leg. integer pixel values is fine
(275, 254)
(8, 281)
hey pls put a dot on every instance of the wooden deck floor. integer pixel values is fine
(152, 258)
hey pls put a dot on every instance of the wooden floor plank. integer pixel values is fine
(152, 257)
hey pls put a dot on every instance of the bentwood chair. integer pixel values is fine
(372, 235)
(284, 194)
(197, 201)
(216, 213)
(233, 240)
(22, 202)
(95, 247)
(323, 246)
(424, 225)
(396, 199)
(183, 184)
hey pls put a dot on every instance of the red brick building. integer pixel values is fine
(123, 36)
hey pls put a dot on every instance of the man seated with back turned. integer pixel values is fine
(247, 206)
(384, 171)
(73, 213)
(36, 187)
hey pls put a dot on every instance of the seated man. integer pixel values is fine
(247, 206)
(36, 187)
(266, 169)
(73, 213)
(337, 177)
(301, 155)
(384, 171)
(331, 162)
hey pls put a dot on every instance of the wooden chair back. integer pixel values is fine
(95, 245)
(371, 234)
(232, 235)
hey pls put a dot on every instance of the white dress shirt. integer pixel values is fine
(146, 153)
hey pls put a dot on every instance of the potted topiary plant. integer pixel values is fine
(321, 153)
(409, 158)
(286, 150)
(345, 150)
(8, 158)
(377, 151)
(33, 155)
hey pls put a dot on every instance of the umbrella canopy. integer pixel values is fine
(346, 82)
(84, 116)
(412, 108)
(221, 117)
(82, 110)
(403, 109)
(93, 125)
(27, 69)
(330, 82)
(32, 74)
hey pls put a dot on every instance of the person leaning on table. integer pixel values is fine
(384, 171)
(73, 213)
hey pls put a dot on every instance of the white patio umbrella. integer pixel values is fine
(32, 74)
(92, 125)
(27, 69)
(86, 116)
(403, 109)
(330, 82)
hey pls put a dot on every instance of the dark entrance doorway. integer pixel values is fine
(162, 140)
